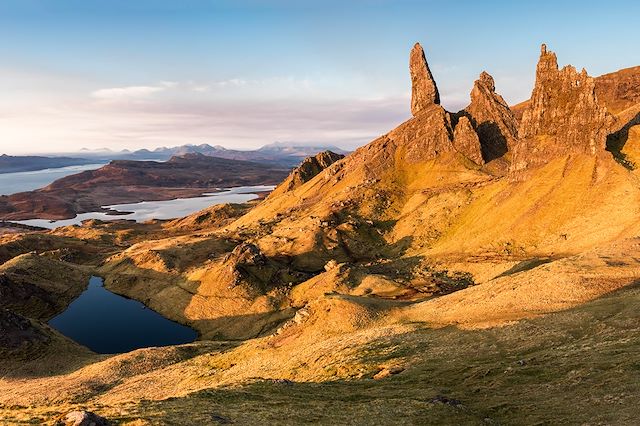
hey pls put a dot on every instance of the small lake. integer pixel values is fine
(170, 209)
(107, 323)
(10, 183)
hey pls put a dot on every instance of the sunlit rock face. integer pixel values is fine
(563, 116)
(424, 92)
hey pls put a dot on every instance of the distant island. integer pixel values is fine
(13, 164)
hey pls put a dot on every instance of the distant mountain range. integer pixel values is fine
(13, 164)
(280, 153)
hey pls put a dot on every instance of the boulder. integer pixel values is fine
(82, 418)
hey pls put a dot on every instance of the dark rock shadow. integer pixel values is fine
(493, 143)
(617, 140)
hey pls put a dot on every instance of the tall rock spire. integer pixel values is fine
(424, 91)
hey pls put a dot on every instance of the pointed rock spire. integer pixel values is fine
(492, 118)
(424, 91)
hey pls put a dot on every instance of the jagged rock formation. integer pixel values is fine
(492, 119)
(310, 167)
(466, 141)
(619, 91)
(247, 265)
(563, 116)
(426, 136)
(424, 91)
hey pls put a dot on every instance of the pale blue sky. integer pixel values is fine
(144, 73)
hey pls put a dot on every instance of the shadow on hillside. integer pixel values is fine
(617, 140)
(526, 265)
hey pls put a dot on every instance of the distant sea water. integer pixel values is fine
(170, 209)
(10, 183)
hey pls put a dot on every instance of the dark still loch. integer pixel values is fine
(107, 323)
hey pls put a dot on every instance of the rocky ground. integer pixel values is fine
(476, 267)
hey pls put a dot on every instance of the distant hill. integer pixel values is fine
(128, 181)
(12, 164)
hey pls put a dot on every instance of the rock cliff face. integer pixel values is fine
(424, 91)
(492, 119)
(426, 136)
(619, 90)
(563, 116)
(466, 141)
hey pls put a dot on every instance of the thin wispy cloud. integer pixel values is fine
(131, 92)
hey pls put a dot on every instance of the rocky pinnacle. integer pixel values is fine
(563, 116)
(424, 91)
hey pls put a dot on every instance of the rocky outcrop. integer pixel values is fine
(309, 169)
(82, 418)
(563, 116)
(625, 145)
(247, 265)
(466, 141)
(17, 331)
(424, 92)
(492, 119)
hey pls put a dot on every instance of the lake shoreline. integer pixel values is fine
(121, 182)
(119, 323)
(142, 211)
